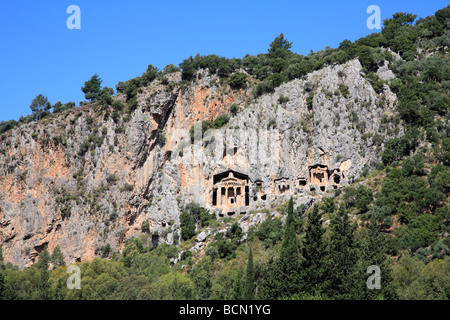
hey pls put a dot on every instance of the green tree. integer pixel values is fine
(288, 264)
(42, 285)
(314, 254)
(2, 285)
(220, 121)
(92, 87)
(408, 278)
(372, 251)
(342, 256)
(57, 258)
(398, 20)
(104, 96)
(39, 106)
(43, 260)
(237, 80)
(249, 287)
(281, 278)
(187, 226)
(234, 109)
(363, 198)
(59, 107)
(188, 69)
(280, 47)
(237, 286)
(170, 68)
(201, 276)
(173, 286)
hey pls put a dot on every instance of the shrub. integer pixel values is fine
(127, 187)
(282, 99)
(272, 123)
(185, 255)
(212, 252)
(205, 125)
(220, 121)
(7, 125)
(375, 81)
(395, 149)
(112, 179)
(145, 227)
(235, 232)
(234, 109)
(106, 250)
(270, 231)
(187, 226)
(224, 248)
(344, 90)
(170, 68)
(65, 212)
(364, 197)
(59, 107)
(149, 75)
(238, 80)
(84, 147)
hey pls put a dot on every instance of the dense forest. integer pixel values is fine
(395, 216)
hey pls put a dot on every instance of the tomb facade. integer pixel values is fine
(230, 190)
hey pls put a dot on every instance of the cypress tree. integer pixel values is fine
(288, 265)
(282, 276)
(269, 283)
(237, 286)
(42, 265)
(342, 257)
(314, 254)
(249, 289)
(372, 251)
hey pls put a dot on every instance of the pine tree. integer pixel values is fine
(249, 288)
(92, 88)
(39, 105)
(342, 257)
(43, 260)
(57, 258)
(314, 254)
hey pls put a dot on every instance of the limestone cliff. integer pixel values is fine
(81, 180)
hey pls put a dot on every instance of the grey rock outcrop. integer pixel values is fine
(82, 182)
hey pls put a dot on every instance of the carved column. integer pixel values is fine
(219, 196)
(226, 196)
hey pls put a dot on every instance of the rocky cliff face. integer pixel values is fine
(80, 180)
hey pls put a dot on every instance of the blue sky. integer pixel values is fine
(119, 39)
